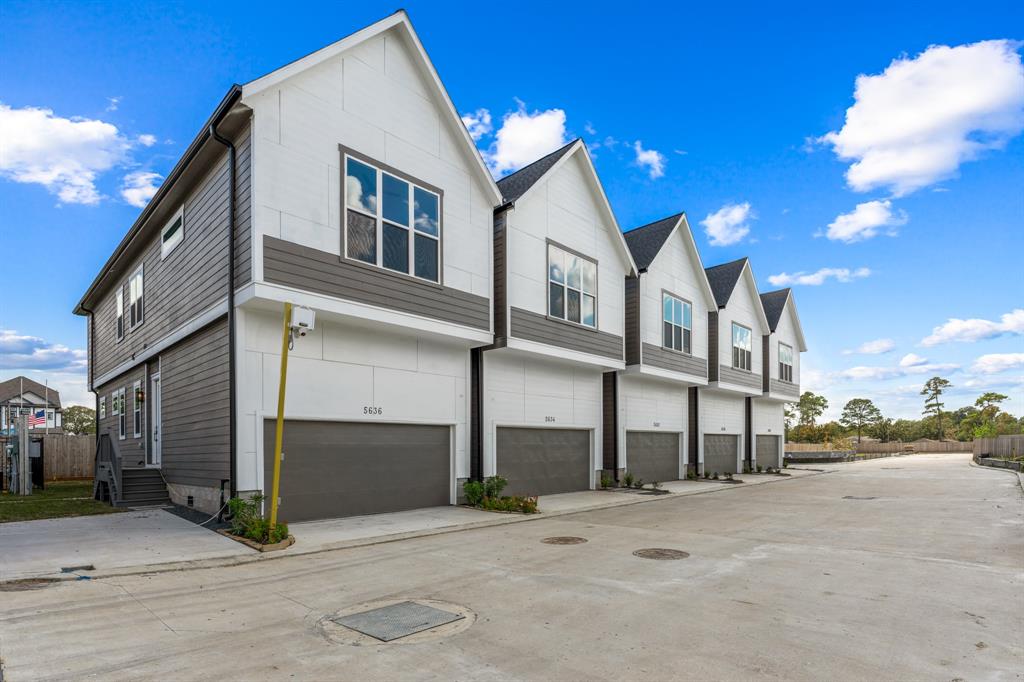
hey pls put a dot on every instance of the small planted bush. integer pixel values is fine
(247, 521)
(714, 476)
(474, 491)
(706, 476)
(690, 476)
(607, 481)
(758, 468)
(487, 495)
(627, 480)
(493, 485)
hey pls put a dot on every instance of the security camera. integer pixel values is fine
(303, 320)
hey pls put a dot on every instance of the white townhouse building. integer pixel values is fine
(780, 352)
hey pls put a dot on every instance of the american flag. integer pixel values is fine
(37, 418)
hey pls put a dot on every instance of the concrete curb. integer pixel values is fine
(499, 520)
(1018, 474)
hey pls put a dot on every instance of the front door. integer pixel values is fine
(153, 459)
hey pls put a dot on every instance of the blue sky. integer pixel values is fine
(722, 112)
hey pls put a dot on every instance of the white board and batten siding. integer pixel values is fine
(785, 331)
(743, 308)
(377, 99)
(674, 271)
(647, 404)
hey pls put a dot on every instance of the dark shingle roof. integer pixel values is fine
(774, 302)
(12, 388)
(723, 278)
(645, 242)
(515, 185)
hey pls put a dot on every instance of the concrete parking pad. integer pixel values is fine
(881, 570)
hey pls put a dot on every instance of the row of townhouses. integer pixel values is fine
(465, 327)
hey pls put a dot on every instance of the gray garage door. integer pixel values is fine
(652, 456)
(544, 461)
(334, 469)
(767, 451)
(720, 453)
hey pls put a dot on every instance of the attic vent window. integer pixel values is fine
(173, 233)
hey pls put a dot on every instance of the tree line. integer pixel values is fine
(861, 417)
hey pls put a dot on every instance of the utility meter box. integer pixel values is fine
(303, 320)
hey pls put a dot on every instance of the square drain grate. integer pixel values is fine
(398, 620)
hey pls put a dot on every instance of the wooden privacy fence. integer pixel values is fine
(66, 456)
(887, 448)
(1000, 446)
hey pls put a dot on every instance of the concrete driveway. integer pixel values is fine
(908, 568)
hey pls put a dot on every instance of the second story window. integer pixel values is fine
(120, 313)
(785, 362)
(103, 407)
(741, 347)
(173, 233)
(392, 221)
(572, 287)
(677, 323)
(121, 416)
(135, 298)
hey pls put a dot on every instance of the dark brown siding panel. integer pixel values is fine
(674, 361)
(632, 328)
(765, 369)
(610, 421)
(195, 408)
(748, 427)
(739, 377)
(243, 209)
(131, 449)
(692, 424)
(712, 345)
(302, 267)
(500, 275)
(785, 388)
(535, 327)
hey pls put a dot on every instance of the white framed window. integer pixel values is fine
(392, 221)
(103, 407)
(572, 287)
(173, 232)
(136, 410)
(135, 298)
(113, 404)
(741, 347)
(677, 323)
(120, 313)
(785, 362)
(121, 416)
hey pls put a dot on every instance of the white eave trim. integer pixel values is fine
(683, 226)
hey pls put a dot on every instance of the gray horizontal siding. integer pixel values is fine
(739, 377)
(785, 388)
(535, 327)
(243, 209)
(195, 408)
(674, 361)
(302, 267)
(131, 449)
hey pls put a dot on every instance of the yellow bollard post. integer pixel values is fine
(276, 487)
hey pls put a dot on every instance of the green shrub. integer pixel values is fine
(607, 481)
(758, 468)
(493, 485)
(627, 480)
(247, 521)
(474, 491)
(514, 503)
(706, 476)
(690, 476)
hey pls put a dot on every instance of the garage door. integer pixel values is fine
(334, 469)
(767, 451)
(652, 456)
(544, 461)
(720, 453)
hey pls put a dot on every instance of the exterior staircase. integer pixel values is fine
(142, 488)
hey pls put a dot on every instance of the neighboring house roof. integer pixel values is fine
(774, 303)
(723, 279)
(12, 388)
(645, 242)
(516, 185)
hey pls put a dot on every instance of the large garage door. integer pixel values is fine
(652, 456)
(544, 461)
(334, 469)
(768, 451)
(720, 453)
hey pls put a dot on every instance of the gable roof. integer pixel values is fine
(516, 184)
(774, 303)
(645, 242)
(723, 279)
(12, 388)
(398, 21)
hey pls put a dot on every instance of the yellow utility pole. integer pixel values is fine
(285, 342)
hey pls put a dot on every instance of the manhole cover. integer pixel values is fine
(392, 622)
(854, 497)
(564, 540)
(660, 554)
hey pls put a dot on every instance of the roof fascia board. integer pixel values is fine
(748, 273)
(791, 307)
(683, 226)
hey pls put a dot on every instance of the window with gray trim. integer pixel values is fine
(741, 347)
(121, 416)
(135, 298)
(103, 407)
(391, 222)
(677, 323)
(173, 233)
(572, 287)
(137, 409)
(120, 313)
(785, 362)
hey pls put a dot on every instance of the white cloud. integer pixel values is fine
(63, 154)
(993, 363)
(818, 278)
(912, 360)
(112, 103)
(20, 351)
(975, 329)
(146, 140)
(917, 121)
(139, 187)
(865, 221)
(524, 137)
(478, 123)
(589, 128)
(909, 364)
(653, 160)
(876, 347)
(729, 224)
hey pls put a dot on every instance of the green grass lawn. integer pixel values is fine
(60, 499)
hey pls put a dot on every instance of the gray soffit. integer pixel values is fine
(774, 302)
(723, 278)
(516, 185)
(645, 242)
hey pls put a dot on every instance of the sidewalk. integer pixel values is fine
(156, 540)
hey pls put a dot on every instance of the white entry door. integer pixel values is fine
(153, 459)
